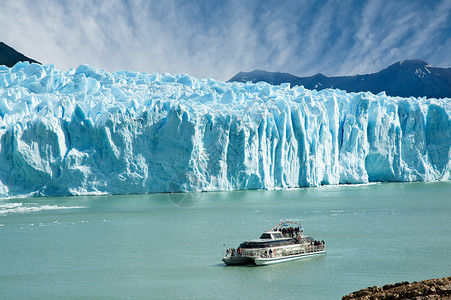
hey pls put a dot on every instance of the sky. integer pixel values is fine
(219, 38)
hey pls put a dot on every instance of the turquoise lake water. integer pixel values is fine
(170, 246)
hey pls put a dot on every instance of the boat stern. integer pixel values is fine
(237, 260)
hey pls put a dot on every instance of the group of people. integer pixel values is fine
(271, 253)
(319, 245)
(290, 231)
(233, 252)
(237, 252)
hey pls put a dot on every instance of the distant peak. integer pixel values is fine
(412, 63)
(319, 75)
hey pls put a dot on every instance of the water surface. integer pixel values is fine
(170, 246)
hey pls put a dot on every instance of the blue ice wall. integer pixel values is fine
(87, 131)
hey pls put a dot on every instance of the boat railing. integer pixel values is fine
(282, 253)
(275, 252)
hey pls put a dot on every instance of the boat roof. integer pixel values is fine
(268, 240)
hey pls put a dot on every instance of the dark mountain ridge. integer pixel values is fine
(405, 78)
(9, 57)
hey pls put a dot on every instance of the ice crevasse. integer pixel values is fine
(88, 131)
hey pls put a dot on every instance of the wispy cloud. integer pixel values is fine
(393, 31)
(219, 38)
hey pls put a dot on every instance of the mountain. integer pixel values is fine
(9, 57)
(88, 131)
(405, 78)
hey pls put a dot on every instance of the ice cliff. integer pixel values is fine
(87, 131)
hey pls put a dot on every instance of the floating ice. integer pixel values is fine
(14, 208)
(87, 131)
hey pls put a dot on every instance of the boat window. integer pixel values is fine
(278, 235)
(244, 245)
(282, 243)
(265, 236)
(307, 239)
(268, 244)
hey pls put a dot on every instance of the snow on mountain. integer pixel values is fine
(87, 131)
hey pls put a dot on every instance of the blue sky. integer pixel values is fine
(217, 39)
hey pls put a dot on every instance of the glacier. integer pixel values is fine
(88, 131)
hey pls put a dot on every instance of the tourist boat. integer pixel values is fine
(285, 242)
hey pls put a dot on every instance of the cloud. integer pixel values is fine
(393, 31)
(219, 38)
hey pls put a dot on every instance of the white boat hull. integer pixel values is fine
(263, 261)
